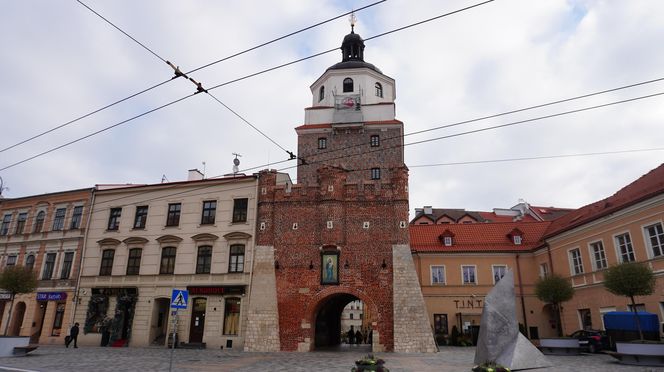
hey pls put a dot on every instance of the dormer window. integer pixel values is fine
(447, 238)
(516, 236)
(321, 93)
(348, 85)
(379, 90)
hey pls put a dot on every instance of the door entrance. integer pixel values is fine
(197, 320)
(159, 321)
(39, 319)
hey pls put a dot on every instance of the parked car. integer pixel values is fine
(591, 340)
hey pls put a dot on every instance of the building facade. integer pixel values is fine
(341, 233)
(46, 233)
(145, 241)
(625, 227)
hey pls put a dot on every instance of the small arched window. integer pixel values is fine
(321, 93)
(348, 85)
(30, 261)
(379, 90)
(39, 221)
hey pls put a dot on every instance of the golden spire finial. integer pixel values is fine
(352, 19)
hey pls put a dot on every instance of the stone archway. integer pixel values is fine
(325, 314)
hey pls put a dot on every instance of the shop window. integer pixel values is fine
(57, 320)
(440, 324)
(231, 316)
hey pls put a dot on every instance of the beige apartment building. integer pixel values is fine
(625, 227)
(46, 233)
(144, 241)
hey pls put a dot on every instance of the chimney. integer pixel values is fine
(428, 209)
(195, 175)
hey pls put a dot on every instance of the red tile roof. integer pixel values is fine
(648, 186)
(477, 237)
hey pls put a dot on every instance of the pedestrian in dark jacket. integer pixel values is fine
(358, 337)
(351, 335)
(73, 336)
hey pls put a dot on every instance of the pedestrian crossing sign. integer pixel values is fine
(179, 299)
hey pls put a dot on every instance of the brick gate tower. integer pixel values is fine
(340, 234)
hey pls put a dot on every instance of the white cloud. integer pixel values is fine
(60, 61)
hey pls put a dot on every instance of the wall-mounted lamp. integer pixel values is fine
(276, 265)
(383, 265)
(346, 266)
(311, 265)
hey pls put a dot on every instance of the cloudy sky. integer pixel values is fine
(59, 61)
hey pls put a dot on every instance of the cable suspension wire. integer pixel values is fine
(111, 202)
(196, 69)
(178, 73)
(537, 157)
(121, 30)
(180, 99)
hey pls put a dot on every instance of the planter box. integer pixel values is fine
(8, 343)
(559, 346)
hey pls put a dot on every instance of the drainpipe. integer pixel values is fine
(523, 305)
(548, 251)
(81, 257)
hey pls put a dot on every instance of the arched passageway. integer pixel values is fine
(333, 323)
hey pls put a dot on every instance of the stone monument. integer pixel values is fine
(499, 340)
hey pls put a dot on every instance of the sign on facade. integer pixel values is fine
(51, 296)
(179, 299)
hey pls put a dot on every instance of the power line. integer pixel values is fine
(180, 99)
(537, 157)
(178, 73)
(121, 30)
(196, 69)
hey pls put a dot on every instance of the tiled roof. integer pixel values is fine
(477, 237)
(648, 186)
(329, 125)
(550, 213)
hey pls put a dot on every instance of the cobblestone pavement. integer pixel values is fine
(450, 359)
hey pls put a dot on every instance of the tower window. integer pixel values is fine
(375, 173)
(374, 141)
(322, 143)
(348, 85)
(379, 90)
(321, 93)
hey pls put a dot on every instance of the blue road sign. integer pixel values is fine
(179, 299)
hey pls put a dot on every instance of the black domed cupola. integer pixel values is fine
(352, 48)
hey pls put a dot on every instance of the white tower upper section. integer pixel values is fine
(351, 91)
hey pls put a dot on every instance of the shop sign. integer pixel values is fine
(51, 296)
(115, 291)
(5, 296)
(469, 304)
(216, 290)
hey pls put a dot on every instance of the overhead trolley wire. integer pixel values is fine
(214, 87)
(196, 69)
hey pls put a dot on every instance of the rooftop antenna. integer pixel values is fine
(236, 163)
(203, 170)
(2, 187)
(163, 178)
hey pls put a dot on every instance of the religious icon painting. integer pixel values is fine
(329, 268)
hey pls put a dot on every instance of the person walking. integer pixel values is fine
(73, 336)
(358, 337)
(351, 336)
